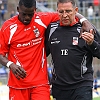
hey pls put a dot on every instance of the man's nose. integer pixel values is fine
(65, 14)
(27, 17)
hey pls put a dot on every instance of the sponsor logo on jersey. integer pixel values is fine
(26, 29)
(55, 42)
(30, 43)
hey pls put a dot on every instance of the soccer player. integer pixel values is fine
(22, 51)
(72, 54)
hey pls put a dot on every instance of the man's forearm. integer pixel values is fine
(79, 15)
(3, 60)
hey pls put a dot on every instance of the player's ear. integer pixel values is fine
(76, 9)
(17, 8)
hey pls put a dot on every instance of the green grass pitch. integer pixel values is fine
(96, 98)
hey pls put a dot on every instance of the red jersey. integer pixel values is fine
(25, 47)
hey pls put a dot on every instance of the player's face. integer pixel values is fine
(26, 14)
(66, 13)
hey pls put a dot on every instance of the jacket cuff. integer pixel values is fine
(93, 46)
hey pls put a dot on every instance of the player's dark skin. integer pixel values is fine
(25, 16)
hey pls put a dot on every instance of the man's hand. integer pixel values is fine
(87, 26)
(88, 37)
(18, 71)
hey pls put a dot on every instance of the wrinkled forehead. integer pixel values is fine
(67, 5)
(67, 1)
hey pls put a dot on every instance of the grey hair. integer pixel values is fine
(66, 1)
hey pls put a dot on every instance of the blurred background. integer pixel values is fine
(89, 8)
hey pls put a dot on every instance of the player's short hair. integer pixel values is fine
(65, 1)
(27, 3)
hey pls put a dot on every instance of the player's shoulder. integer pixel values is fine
(54, 24)
(10, 22)
(44, 14)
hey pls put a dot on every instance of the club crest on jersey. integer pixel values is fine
(36, 31)
(75, 41)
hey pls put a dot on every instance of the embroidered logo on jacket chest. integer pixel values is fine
(75, 41)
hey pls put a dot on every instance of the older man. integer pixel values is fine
(72, 54)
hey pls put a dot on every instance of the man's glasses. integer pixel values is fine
(65, 11)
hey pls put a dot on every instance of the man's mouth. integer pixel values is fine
(26, 21)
